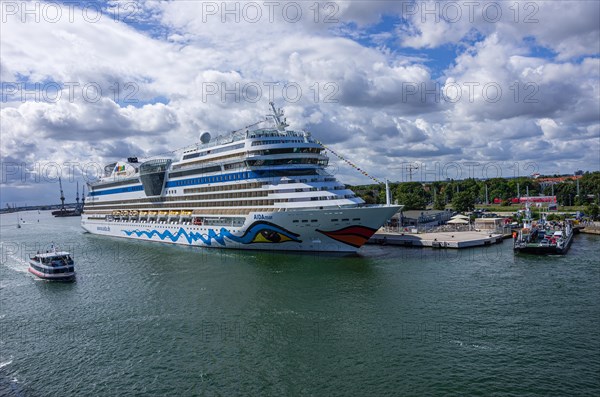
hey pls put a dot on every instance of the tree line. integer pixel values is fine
(463, 195)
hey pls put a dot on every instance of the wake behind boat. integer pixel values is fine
(263, 188)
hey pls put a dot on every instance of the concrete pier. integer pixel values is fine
(466, 239)
(590, 229)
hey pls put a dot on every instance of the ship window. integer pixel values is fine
(334, 220)
(345, 220)
(194, 171)
(313, 220)
(356, 219)
(304, 220)
(191, 156)
(295, 221)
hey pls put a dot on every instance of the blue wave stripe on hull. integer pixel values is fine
(191, 237)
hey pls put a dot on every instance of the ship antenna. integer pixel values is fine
(277, 114)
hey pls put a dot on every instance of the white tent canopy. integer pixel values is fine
(458, 221)
(460, 216)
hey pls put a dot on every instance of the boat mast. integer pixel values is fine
(77, 194)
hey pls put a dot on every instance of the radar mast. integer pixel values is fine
(277, 115)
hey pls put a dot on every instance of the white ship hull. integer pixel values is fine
(324, 230)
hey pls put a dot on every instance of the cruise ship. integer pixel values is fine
(263, 187)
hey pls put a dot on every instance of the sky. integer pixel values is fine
(421, 90)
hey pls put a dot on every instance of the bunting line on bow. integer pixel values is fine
(351, 164)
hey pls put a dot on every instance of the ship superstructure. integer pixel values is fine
(261, 188)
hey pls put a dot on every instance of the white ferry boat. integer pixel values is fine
(262, 188)
(53, 265)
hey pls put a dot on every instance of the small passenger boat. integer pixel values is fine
(53, 265)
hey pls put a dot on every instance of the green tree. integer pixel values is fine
(498, 188)
(463, 201)
(590, 184)
(411, 195)
(440, 200)
(553, 217)
(565, 192)
(474, 187)
(580, 200)
(369, 199)
(592, 210)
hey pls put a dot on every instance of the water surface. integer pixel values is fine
(156, 319)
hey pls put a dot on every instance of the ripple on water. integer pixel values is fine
(158, 319)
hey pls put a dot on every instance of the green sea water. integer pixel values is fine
(151, 319)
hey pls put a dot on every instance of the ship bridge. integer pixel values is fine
(152, 176)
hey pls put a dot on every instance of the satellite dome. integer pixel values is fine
(205, 137)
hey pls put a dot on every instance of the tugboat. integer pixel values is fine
(52, 265)
(541, 239)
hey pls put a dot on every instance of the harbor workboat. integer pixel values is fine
(543, 238)
(263, 187)
(53, 265)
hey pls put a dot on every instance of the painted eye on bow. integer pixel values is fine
(270, 236)
(266, 232)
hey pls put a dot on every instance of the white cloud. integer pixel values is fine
(569, 28)
(355, 97)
